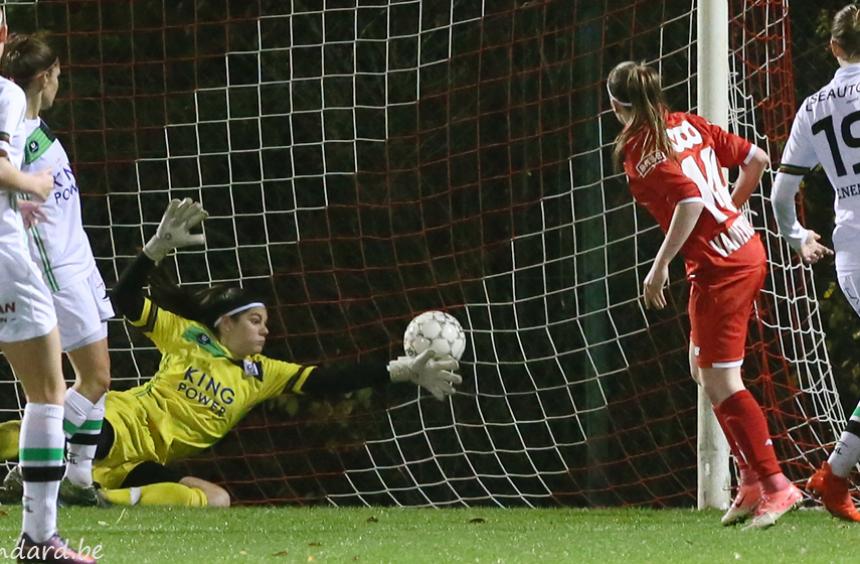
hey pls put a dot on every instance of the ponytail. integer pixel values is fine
(637, 87)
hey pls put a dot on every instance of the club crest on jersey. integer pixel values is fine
(197, 335)
(648, 162)
(33, 146)
(252, 368)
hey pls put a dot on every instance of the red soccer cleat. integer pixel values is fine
(833, 491)
(775, 505)
(54, 549)
(744, 504)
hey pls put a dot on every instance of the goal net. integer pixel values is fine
(365, 161)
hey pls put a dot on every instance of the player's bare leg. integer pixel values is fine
(36, 363)
(216, 496)
(92, 369)
(694, 367)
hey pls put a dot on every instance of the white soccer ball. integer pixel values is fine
(435, 330)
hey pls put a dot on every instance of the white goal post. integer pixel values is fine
(712, 52)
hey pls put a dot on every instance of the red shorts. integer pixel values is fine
(719, 309)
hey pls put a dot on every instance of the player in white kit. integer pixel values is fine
(30, 340)
(826, 131)
(59, 246)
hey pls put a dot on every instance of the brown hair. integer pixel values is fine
(845, 30)
(203, 305)
(637, 87)
(27, 55)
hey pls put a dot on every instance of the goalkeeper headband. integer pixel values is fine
(239, 309)
(616, 100)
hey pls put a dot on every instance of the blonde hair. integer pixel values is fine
(637, 87)
(845, 30)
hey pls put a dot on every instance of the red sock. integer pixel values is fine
(747, 474)
(743, 416)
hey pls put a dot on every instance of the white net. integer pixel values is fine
(365, 161)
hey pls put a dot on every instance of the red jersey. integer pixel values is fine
(722, 234)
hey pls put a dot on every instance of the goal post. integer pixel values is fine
(712, 54)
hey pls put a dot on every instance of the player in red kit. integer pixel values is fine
(673, 163)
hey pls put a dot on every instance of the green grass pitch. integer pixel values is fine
(247, 534)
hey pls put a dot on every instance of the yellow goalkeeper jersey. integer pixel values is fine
(199, 392)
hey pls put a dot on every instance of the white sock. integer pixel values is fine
(75, 411)
(41, 458)
(83, 445)
(846, 453)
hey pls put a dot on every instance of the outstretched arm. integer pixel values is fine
(437, 376)
(343, 378)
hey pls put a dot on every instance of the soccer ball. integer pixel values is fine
(435, 330)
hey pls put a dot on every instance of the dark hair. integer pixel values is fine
(845, 30)
(26, 56)
(637, 86)
(203, 305)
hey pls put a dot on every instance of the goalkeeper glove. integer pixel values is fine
(435, 376)
(174, 231)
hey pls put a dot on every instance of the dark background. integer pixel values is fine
(374, 161)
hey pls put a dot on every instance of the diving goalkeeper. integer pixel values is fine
(210, 376)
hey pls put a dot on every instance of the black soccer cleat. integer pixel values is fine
(72, 494)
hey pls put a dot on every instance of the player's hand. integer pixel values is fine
(174, 231)
(811, 251)
(434, 375)
(31, 212)
(41, 184)
(652, 286)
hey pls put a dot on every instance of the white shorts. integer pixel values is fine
(83, 309)
(850, 284)
(26, 308)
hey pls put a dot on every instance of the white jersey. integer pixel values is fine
(59, 245)
(13, 240)
(826, 131)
